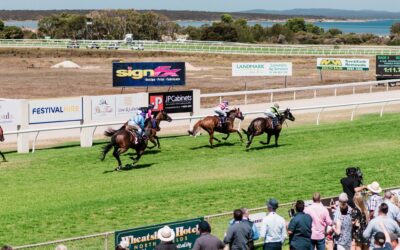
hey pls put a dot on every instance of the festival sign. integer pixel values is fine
(103, 107)
(388, 65)
(9, 113)
(262, 69)
(343, 64)
(172, 102)
(55, 110)
(145, 238)
(127, 104)
(257, 219)
(148, 74)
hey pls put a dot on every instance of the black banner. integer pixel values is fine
(172, 102)
(388, 65)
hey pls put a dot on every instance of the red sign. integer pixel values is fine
(158, 102)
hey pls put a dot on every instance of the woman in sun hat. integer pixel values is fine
(375, 199)
(166, 235)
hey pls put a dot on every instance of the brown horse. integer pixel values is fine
(264, 125)
(122, 140)
(161, 116)
(1, 140)
(211, 125)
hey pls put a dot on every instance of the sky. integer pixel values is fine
(208, 5)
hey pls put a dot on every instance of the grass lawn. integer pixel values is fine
(66, 191)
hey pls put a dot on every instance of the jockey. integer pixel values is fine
(221, 110)
(273, 113)
(136, 124)
(148, 111)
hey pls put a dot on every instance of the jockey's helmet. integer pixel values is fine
(225, 102)
(276, 105)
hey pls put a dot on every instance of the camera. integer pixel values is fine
(355, 172)
(292, 211)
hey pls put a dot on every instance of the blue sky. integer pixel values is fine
(210, 5)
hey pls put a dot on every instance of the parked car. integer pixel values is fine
(137, 46)
(73, 45)
(113, 46)
(93, 45)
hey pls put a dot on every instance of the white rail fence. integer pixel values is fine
(315, 89)
(321, 109)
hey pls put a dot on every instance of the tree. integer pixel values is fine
(219, 31)
(1, 25)
(12, 32)
(311, 28)
(226, 18)
(296, 24)
(334, 32)
(193, 32)
(395, 29)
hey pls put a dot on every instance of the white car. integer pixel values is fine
(139, 46)
(113, 46)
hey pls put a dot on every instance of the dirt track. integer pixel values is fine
(26, 73)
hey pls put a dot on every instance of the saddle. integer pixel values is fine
(272, 123)
(222, 121)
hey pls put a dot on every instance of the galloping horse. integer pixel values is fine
(211, 125)
(121, 141)
(264, 125)
(161, 116)
(1, 140)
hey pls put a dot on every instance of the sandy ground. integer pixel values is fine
(26, 73)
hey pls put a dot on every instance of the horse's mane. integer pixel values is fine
(232, 111)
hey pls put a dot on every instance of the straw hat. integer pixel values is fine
(166, 234)
(374, 187)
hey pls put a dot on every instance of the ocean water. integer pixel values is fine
(379, 27)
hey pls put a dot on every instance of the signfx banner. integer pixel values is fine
(148, 74)
(9, 113)
(388, 65)
(262, 69)
(145, 238)
(172, 102)
(343, 64)
(55, 110)
(103, 107)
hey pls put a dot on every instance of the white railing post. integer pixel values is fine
(86, 136)
(106, 242)
(315, 93)
(272, 96)
(245, 99)
(354, 90)
(23, 138)
(383, 106)
(353, 112)
(335, 91)
(34, 142)
(294, 95)
(370, 88)
(319, 114)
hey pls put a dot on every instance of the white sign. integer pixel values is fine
(257, 219)
(55, 110)
(103, 107)
(9, 113)
(343, 64)
(262, 69)
(127, 104)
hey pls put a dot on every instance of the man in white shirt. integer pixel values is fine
(273, 228)
(394, 211)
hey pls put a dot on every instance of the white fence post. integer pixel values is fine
(383, 106)
(23, 139)
(319, 114)
(87, 133)
(353, 112)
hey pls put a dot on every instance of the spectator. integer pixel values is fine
(61, 247)
(239, 233)
(395, 200)
(6, 248)
(360, 219)
(375, 199)
(394, 241)
(299, 229)
(343, 228)
(373, 225)
(382, 239)
(273, 228)
(206, 241)
(320, 220)
(343, 199)
(394, 211)
(166, 235)
(256, 235)
(352, 183)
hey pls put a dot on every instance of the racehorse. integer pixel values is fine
(161, 116)
(262, 125)
(211, 125)
(1, 140)
(122, 140)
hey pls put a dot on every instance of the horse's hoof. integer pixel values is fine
(118, 168)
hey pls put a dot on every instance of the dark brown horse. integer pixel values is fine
(1, 140)
(211, 124)
(122, 140)
(152, 132)
(264, 125)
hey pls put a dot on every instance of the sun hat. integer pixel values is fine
(380, 237)
(343, 197)
(272, 203)
(166, 234)
(374, 187)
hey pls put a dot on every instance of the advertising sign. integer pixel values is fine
(262, 69)
(127, 104)
(172, 102)
(257, 219)
(55, 110)
(103, 107)
(145, 238)
(388, 65)
(148, 74)
(343, 64)
(9, 113)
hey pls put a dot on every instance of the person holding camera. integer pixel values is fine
(352, 183)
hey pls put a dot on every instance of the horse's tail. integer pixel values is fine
(110, 132)
(106, 149)
(196, 128)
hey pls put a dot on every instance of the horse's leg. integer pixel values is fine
(250, 140)
(139, 153)
(116, 155)
(4, 158)
(227, 136)
(232, 130)
(276, 139)
(158, 142)
(152, 141)
(269, 138)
